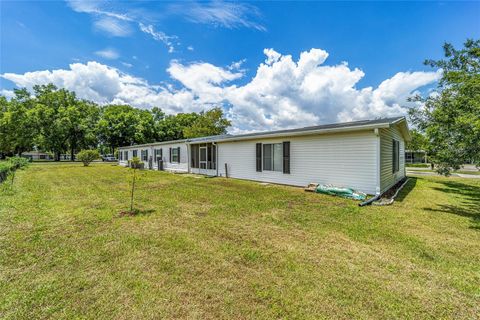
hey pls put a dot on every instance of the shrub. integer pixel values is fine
(10, 166)
(18, 162)
(5, 168)
(87, 156)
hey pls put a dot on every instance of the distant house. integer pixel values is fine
(418, 156)
(366, 155)
(43, 156)
(37, 155)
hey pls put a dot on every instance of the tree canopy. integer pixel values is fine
(450, 117)
(55, 120)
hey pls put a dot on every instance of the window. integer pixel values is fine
(175, 155)
(125, 155)
(273, 157)
(134, 153)
(145, 155)
(157, 154)
(194, 153)
(395, 155)
(212, 156)
(120, 155)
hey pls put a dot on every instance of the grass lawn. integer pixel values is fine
(459, 171)
(468, 172)
(215, 248)
(417, 165)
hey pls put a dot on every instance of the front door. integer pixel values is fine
(203, 158)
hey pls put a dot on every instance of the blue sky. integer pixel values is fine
(188, 56)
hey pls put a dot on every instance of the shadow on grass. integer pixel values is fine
(406, 189)
(470, 207)
(136, 212)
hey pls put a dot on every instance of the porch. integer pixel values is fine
(203, 158)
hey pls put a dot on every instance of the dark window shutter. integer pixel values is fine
(397, 160)
(286, 157)
(394, 156)
(170, 156)
(178, 154)
(161, 153)
(259, 157)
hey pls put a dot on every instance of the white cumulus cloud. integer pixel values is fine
(283, 93)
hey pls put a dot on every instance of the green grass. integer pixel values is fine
(417, 165)
(468, 172)
(217, 248)
(476, 173)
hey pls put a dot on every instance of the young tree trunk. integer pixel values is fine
(72, 154)
(57, 156)
(133, 188)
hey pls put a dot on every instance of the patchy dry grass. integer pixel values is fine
(216, 248)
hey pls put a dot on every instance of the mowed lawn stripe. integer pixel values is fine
(224, 248)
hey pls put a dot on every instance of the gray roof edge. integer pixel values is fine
(333, 127)
(154, 144)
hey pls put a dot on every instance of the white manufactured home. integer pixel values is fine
(365, 155)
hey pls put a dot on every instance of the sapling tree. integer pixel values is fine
(135, 164)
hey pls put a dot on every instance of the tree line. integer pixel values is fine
(57, 121)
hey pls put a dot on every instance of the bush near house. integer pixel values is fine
(87, 156)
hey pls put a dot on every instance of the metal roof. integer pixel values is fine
(341, 125)
(333, 127)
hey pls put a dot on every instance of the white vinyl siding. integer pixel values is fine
(387, 175)
(344, 159)
(181, 166)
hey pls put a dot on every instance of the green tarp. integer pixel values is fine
(341, 192)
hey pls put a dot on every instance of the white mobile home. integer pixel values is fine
(365, 155)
